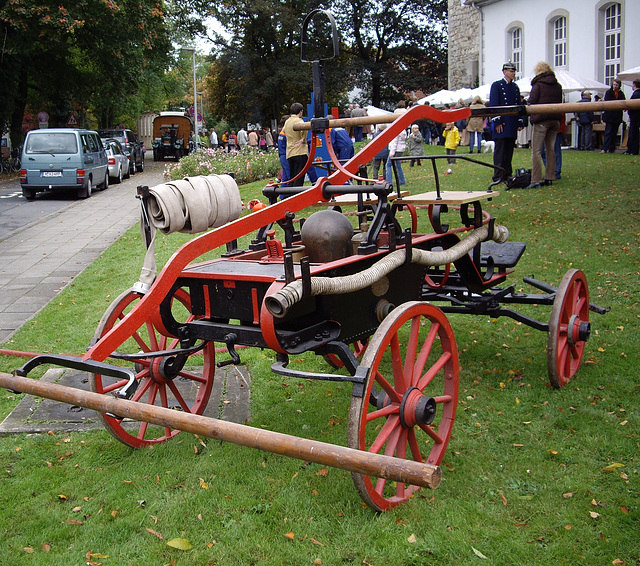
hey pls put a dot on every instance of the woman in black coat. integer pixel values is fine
(545, 89)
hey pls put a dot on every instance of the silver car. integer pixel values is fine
(118, 161)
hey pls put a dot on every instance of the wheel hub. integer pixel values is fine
(163, 370)
(417, 409)
(578, 330)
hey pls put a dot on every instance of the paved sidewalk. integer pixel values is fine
(37, 262)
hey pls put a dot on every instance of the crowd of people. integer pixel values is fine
(543, 133)
(254, 137)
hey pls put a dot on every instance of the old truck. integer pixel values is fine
(171, 132)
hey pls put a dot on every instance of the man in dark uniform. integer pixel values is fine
(505, 92)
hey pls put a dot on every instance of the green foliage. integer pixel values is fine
(399, 46)
(88, 56)
(246, 166)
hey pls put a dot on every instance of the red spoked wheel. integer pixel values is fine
(410, 398)
(569, 328)
(167, 381)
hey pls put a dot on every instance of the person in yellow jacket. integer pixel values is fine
(451, 140)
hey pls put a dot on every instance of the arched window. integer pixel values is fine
(515, 48)
(612, 41)
(560, 42)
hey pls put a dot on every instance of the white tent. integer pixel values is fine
(630, 74)
(569, 82)
(440, 98)
(374, 111)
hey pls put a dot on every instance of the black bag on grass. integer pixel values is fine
(520, 180)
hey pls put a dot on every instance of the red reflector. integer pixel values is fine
(112, 161)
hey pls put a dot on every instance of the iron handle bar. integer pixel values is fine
(357, 461)
(431, 113)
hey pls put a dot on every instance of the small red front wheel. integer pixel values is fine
(167, 381)
(410, 397)
(569, 328)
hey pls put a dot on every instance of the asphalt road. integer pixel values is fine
(16, 213)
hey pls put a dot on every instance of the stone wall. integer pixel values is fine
(464, 45)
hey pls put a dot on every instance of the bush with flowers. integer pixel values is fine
(246, 165)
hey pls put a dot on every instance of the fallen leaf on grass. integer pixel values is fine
(568, 495)
(624, 509)
(612, 467)
(412, 539)
(289, 535)
(28, 550)
(46, 547)
(179, 543)
(74, 522)
(504, 499)
(618, 562)
(594, 515)
(478, 553)
(316, 541)
(155, 534)
(322, 472)
(91, 555)
(76, 509)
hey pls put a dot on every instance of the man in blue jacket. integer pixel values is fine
(342, 143)
(505, 92)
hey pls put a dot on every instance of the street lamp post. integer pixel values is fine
(195, 97)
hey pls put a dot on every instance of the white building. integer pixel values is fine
(594, 39)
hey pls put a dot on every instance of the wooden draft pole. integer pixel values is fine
(367, 463)
(519, 110)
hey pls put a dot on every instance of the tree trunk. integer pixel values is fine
(20, 103)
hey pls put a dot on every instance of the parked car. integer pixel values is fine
(131, 146)
(63, 158)
(171, 131)
(118, 161)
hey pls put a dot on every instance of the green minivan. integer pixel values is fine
(63, 158)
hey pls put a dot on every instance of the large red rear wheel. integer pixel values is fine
(410, 398)
(569, 328)
(167, 381)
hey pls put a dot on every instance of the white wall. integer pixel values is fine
(582, 41)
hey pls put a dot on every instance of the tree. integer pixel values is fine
(388, 48)
(397, 45)
(90, 55)
(258, 74)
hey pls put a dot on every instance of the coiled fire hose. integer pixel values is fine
(279, 303)
(191, 205)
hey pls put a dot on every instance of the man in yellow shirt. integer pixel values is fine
(297, 150)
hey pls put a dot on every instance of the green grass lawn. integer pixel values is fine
(532, 475)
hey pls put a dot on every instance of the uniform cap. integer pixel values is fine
(509, 66)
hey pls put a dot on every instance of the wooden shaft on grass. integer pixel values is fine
(378, 465)
(523, 110)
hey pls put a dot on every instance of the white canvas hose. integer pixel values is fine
(279, 303)
(191, 205)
